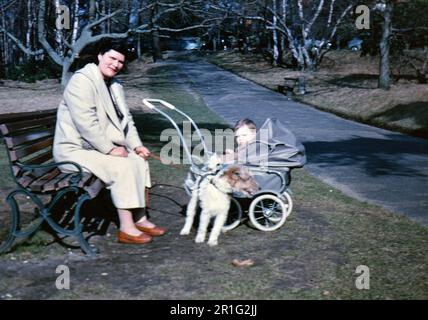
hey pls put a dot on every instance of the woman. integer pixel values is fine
(95, 129)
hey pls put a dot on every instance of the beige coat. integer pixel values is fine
(88, 128)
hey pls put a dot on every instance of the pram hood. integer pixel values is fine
(275, 146)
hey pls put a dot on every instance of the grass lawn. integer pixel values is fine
(344, 84)
(314, 256)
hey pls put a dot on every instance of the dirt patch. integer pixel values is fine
(17, 96)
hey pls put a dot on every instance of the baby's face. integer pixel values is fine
(244, 135)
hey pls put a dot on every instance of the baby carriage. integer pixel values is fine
(270, 159)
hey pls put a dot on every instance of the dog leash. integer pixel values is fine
(156, 157)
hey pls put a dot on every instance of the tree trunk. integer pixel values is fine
(214, 43)
(274, 35)
(157, 53)
(103, 12)
(384, 65)
(58, 38)
(66, 75)
(92, 10)
(139, 47)
(29, 26)
(76, 22)
(108, 13)
(308, 61)
(133, 14)
(5, 44)
(133, 23)
(282, 36)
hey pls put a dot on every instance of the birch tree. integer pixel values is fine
(274, 32)
(384, 63)
(89, 22)
(307, 26)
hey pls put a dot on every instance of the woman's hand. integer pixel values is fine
(118, 152)
(143, 152)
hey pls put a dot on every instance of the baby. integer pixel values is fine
(245, 132)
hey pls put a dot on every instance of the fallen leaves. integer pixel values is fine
(242, 263)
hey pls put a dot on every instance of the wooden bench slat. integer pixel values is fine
(16, 170)
(26, 180)
(22, 152)
(94, 187)
(19, 116)
(9, 128)
(40, 158)
(31, 177)
(54, 183)
(16, 141)
(38, 184)
(87, 177)
(66, 182)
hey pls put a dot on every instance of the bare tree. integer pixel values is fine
(274, 32)
(159, 18)
(75, 21)
(310, 36)
(307, 27)
(25, 46)
(58, 32)
(73, 50)
(188, 15)
(385, 7)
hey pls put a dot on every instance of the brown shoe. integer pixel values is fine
(123, 237)
(156, 231)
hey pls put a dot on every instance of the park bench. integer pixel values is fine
(28, 138)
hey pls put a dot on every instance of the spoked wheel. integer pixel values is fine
(267, 212)
(234, 216)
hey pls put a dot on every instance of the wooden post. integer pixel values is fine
(301, 85)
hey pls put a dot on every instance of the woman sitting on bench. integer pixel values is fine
(95, 129)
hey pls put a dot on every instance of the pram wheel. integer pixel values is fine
(233, 216)
(268, 212)
(286, 198)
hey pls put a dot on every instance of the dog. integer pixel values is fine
(214, 193)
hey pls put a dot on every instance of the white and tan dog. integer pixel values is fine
(214, 192)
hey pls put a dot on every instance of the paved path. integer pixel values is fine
(368, 163)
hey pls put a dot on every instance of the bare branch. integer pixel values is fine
(108, 35)
(42, 35)
(7, 5)
(26, 50)
(143, 9)
(202, 25)
(409, 29)
(339, 20)
(300, 6)
(314, 17)
(330, 13)
(106, 17)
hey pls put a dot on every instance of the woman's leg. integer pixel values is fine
(143, 224)
(141, 218)
(127, 224)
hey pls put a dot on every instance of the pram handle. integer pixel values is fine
(148, 103)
